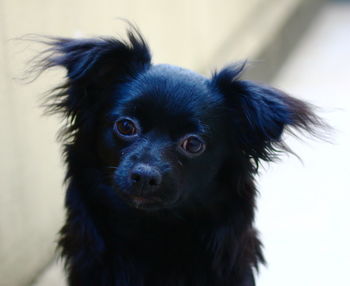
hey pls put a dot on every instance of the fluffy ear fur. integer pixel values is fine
(93, 61)
(261, 113)
(93, 67)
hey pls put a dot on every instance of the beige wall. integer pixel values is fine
(194, 34)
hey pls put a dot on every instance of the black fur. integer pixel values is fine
(194, 223)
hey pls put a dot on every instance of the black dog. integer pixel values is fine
(161, 164)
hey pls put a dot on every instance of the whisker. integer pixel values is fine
(111, 167)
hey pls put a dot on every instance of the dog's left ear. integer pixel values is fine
(261, 113)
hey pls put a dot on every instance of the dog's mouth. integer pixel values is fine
(142, 202)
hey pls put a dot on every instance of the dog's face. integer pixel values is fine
(164, 139)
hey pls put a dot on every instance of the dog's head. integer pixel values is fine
(163, 136)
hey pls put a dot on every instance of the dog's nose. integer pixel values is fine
(145, 177)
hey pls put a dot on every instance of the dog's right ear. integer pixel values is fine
(94, 67)
(97, 61)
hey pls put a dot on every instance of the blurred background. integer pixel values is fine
(300, 46)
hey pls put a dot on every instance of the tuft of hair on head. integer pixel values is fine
(261, 114)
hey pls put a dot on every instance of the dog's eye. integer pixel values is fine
(192, 145)
(125, 127)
